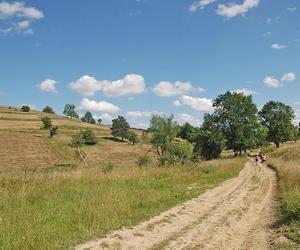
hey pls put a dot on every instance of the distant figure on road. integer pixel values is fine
(256, 159)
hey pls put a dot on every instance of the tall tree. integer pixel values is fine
(49, 110)
(70, 111)
(89, 118)
(278, 118)
(164, 130)
(120, 127)
(210, 140)
(187, 132)
(236, 115)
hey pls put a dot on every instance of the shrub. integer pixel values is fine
(47, 123)
(77, 139)
(89, 137)
(53, 131)
(108, 167)
(177, 152)
(25, 108)
(133, 137)
(49, 110)
(143, 160)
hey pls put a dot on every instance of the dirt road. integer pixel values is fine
(234, 215)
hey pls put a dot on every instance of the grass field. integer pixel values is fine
(49, 201)
(286, 161)
(58, 210)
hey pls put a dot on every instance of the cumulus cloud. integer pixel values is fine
(292, 8)
(277, 46)
(233, 9)
(245, 91)
(48, 85)
(142, 114)
(177, 103)
(167, 89)
(199, 104)
(104, 117)
(183, 118)
(130, 85)
(86, 85)
(94, 106)
(200, 4)
(18, 17)
(288, 77)
(272, 82)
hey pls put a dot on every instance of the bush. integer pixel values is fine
(133, 137)
(53, 131)
(108, 167)
(49, 110)
(89, 137)
(177, 152)
(47, 123)
(86, 137)
(143, 160)
(25, 108)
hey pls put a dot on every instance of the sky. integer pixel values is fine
(136, 58)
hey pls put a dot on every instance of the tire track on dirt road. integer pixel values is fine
(235, 215)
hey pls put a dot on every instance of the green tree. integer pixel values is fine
(120, 127)
(187, 132)
(133, 137)
(25, 108)
(164, 130)
(236, 115)
(47, 123)
(89, 117)
(99, 121)
(49, 110)
(210, 140)
(70, 111)
(278, 118)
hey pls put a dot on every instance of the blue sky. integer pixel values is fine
(136, 57)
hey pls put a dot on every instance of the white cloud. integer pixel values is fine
(177, 103)
(277, 46)
(183, 118)
(272, 82)
(142, 114)
(48, 85)
(292, 8)
(199, 104)
(297, 103)
(297, 116)
(86, 85)
(104, 117)
(94, 106)
(289, 77)
(18, 17)
(200, 4)
(167, 89)
(245, 91)
(233, 9)
(269, 21)
(130, 85)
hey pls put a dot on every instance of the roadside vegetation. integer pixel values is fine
(286, 161)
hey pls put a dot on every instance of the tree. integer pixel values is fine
(210, 140)
(187, 132)
(236, 115)
(177, 152)
(89, 118)
(53, 131)
(99, 121)
(69, 110)
(25, 108)
(120, 127)
(49, 110)
(278, 118)
(83, 119)
(47, 123)
(164, 130)
(133, 137)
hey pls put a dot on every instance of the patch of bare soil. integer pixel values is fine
(235, 215)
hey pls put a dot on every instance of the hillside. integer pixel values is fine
(23, 144)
